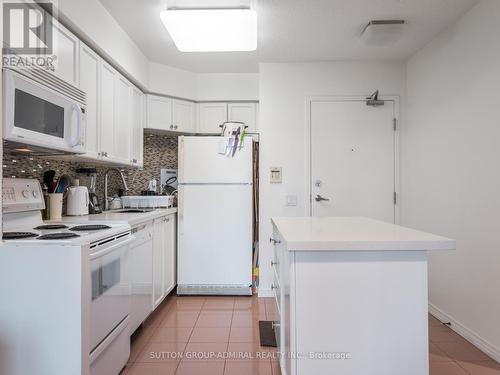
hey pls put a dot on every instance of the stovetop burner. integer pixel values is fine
(17, 235)
(57, 236)
(90, 227)
(51, 226)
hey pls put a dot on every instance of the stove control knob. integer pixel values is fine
(26, 193)
(35, 194)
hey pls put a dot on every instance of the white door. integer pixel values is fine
(158, 261)
(123, 123)
(136, 144)
(211, 116)
(353, 159)
(215, 235)
(243, 112)
(89, 82)
(159, 113)
(183, 116)
(169, 274)
(66, 48)
(107, 106)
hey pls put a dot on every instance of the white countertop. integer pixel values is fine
(345, 233)
(132, 218)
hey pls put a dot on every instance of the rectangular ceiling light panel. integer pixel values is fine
(212, 30)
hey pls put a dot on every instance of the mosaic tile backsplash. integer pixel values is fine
(160, 151)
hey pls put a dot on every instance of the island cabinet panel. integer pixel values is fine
(352, 296)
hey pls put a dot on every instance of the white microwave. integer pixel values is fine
(43, 111)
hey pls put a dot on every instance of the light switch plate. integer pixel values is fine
(291, 200)
(275, 174)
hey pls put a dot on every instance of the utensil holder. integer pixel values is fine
(55, 205)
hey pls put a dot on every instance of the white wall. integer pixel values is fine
(93, 21)
(167, 80)
(283, 90)
(450, 169)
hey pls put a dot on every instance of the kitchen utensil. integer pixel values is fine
(48, 180)
(115, 203)
(94, 206)
(63, 183)
(78, 201)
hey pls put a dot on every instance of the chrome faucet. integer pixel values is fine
(106, 176)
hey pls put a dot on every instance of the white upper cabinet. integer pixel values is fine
(159, 113)
(211, 116)
(90, 84)
(123, 120)
(183, 116)
(243, 112)
(107, 95)
(66, 50)
(136, 144)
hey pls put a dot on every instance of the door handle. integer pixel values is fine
(319, 198)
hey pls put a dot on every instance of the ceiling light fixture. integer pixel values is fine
(212, 30)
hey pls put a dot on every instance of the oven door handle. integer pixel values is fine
(101, 253)
(77, 140)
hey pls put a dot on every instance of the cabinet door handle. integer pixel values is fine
(273, 286)
(171, 126)
(273, 263)
(175, 127)
(273, 241)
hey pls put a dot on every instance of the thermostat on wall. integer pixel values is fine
(275, 175)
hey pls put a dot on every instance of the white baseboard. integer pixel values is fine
(265, 293)
(466, 333)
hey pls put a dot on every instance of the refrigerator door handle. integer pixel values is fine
(180, 209)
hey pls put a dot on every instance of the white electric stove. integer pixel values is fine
(65, 289)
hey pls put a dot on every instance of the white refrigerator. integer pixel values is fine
(215, 217)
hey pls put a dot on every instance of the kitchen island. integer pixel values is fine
(352, 296)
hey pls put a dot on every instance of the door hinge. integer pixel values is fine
(395, 198)
(395, 123)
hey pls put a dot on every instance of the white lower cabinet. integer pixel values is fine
(141, 275)
(164, 258)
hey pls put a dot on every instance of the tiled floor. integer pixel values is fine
(190, 335)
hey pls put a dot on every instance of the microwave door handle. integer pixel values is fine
(77, 140)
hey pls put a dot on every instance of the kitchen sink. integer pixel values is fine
(134, 210)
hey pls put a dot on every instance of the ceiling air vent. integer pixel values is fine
(382, 32)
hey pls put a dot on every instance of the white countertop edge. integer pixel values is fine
(111, 216)
(371, 246)
(353, 233)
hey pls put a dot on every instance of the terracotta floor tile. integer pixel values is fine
(246, 320)
(462, 350)
(275, 366)
(210, 334)
(214, 318)
(221, 305)
(180, 319)
(139, 340)
(164, 368)
(445, 368)
(191, 299)
(437, 355)
(200, 368)
(248, 368)
(171, 334)
(481, 367)
(244, 334)
(203, 351)
(162, 352)
(443, 334)
(434, 321)
(247, 351)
